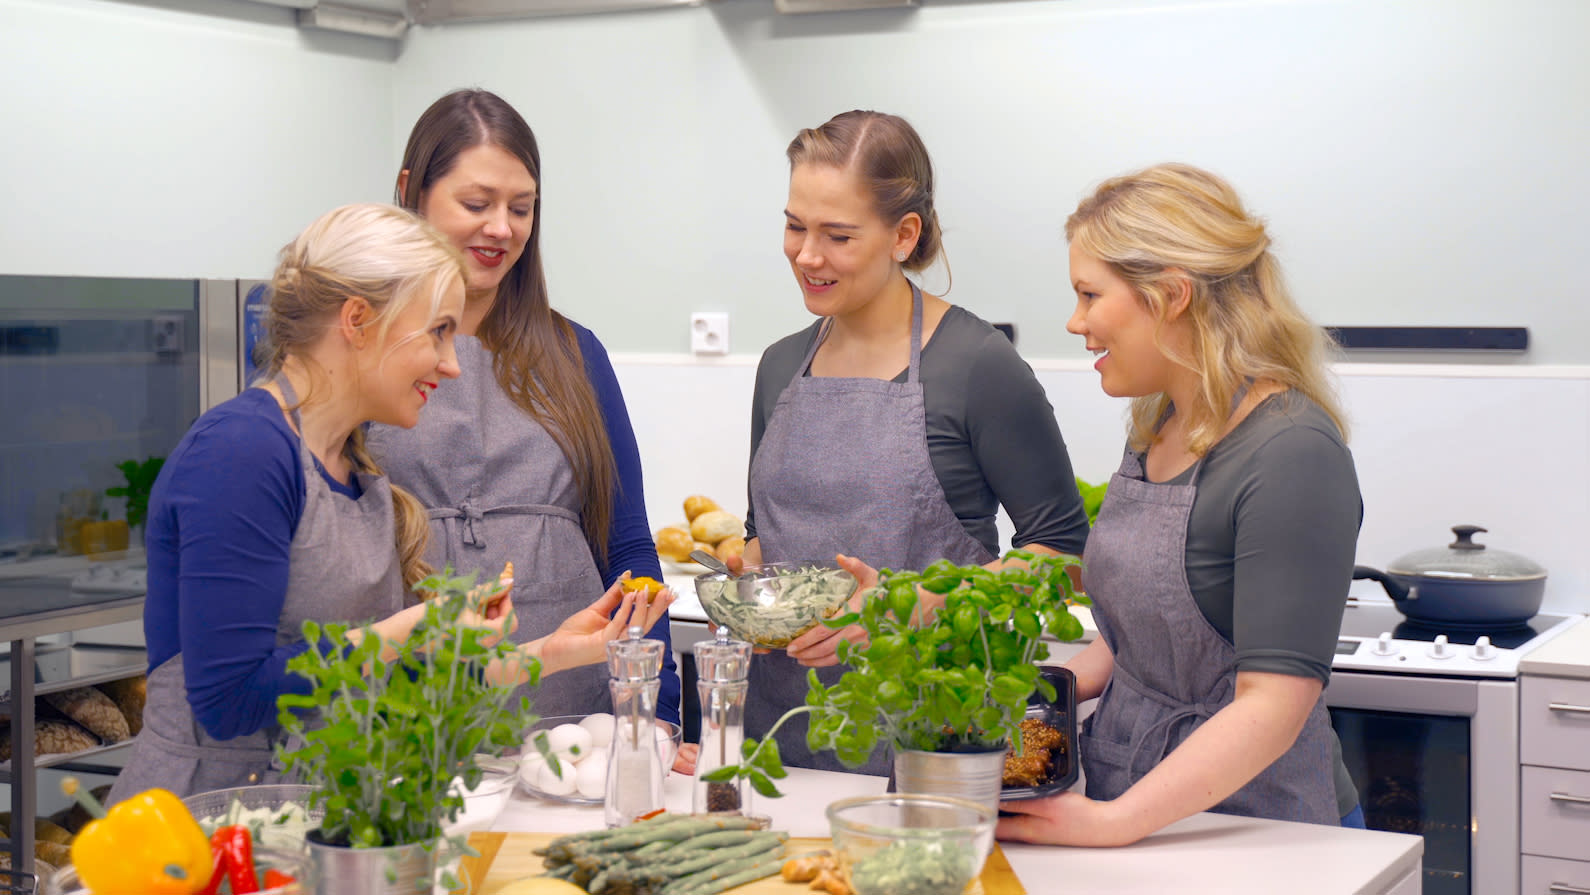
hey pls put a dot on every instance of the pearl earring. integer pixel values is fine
(899, 256)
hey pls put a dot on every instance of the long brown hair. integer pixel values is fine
(892, 163)
(390, 258)
(536, 355)
(1173, 223)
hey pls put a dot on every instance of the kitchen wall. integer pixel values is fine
(1420, 161)
(178, 139)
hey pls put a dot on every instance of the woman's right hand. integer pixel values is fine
(490, 609)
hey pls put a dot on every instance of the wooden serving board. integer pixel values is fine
(505, 857)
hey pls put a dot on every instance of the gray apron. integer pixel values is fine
(844, 468)
(343, 566)
(1173, 670)
(497, 487)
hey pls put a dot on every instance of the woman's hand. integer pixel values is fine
(1067, 818)
(685, 759)
(819, 647)
(490, 608)
(582, 639)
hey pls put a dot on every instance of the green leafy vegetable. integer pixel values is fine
(140, 481)
(1092, 498)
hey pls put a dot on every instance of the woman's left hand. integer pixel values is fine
(1067, 818)
(582, 639)
(819, 647)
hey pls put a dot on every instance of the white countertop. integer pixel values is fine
(1565, 655)
(1207, 853)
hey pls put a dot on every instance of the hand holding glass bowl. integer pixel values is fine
(771, 604)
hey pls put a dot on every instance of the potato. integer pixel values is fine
(697, 504)
(716, 525)
(674, 544)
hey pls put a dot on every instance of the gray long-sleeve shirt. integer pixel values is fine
(991, 433)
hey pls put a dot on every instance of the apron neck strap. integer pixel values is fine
(290, 398)
(913, 369)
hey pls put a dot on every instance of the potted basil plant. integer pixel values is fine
(382, 740)
(946, 684)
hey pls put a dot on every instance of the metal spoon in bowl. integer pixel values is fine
(711, 562)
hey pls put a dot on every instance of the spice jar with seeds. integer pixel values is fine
(721, 665)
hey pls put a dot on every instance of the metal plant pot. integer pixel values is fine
(395, 870)
(974, 776)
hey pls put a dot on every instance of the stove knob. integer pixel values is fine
(1439, 649)
(1383, 645)
(1483, 651)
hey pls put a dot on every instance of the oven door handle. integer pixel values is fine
(1566, 707)
(1565, 889)
(1570, 798)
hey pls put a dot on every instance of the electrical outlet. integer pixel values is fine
(709, 333)
(168, 331)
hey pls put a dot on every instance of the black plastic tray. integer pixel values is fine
(1061, 714)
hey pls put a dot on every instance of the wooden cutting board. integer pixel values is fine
(505, 857)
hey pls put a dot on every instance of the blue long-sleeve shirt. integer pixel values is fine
(629, 541)
(220, 527)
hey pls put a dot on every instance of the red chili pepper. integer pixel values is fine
(217, 873)
(236, 847)
(275, 879)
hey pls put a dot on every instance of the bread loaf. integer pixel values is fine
(51, 736)
(715, 525)
(674, 544)
(697, 504)
(730, 548)
(92, 709)
(129, 696)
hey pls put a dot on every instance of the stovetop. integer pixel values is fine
(1375, 636)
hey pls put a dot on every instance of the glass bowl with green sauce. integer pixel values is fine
(773, 603)
(909, 844)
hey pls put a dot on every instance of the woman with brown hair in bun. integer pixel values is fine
(894, 427)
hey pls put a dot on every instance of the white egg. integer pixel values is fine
(548, 780)
(569, 738)
(591, 777)
(600, 726)
(530, 766)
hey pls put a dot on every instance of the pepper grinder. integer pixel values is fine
(722, 666)
(634, 765)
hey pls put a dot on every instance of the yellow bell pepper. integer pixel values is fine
(147, 845)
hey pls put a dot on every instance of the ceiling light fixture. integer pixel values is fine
(354, 20)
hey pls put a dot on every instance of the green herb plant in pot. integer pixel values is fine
(947, 688)
(381, 740)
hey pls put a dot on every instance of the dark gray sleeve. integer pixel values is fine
(1296, 514)
(1019, 451)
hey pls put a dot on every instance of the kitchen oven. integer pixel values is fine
(1428, 722)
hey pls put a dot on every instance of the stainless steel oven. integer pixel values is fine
(1428, 722)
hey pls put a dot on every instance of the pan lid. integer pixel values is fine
(1465, 559)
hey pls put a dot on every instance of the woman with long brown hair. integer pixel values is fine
(531, 457)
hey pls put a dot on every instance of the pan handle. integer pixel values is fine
(1395, 589)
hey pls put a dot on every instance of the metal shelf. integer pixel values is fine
(76, 665)
(53, 759)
